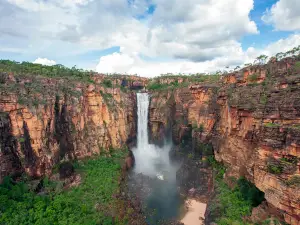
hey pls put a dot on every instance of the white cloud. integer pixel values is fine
(193, 35)
(209, 27)
(195, 30)
(133, 64)
(44, 61)
(119, 62)
(284, 15)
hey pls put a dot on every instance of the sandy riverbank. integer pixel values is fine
(195, 213)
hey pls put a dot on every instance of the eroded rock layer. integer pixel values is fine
(252, 119)
(44, 121)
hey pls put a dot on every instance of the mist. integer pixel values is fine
(154, 162)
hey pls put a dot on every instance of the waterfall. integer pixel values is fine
(143, 106)
(151, 160)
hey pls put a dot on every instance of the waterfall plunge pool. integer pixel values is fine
(157, 184)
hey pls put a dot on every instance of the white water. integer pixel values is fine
(153, 161)
(150, 159)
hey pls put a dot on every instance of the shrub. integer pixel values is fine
(294, 181)
(290, 159)
(218, 167)
(198, 129)
(253, 77)
(230, 205)
(275, 169)
(201, 128)
(271, 125)
(19, 205)
(263, 99)
(156, 86)
(297, 65)
(207, 149)
(250, 192)
(194, 126)
(107, 83)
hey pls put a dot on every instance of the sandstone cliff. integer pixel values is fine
(46, 120)
(252, 119)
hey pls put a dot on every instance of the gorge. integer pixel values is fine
(192, 137)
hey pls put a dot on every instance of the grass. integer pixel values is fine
(253, 77)
(272, 125)
(296, 127)
(263, 99)
(157, 86)
(19, 205)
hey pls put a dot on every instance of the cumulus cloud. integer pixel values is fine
(204, 32)
(133, 64)
(284, 15)
(193, 35)
(44, 61)
(195, 30)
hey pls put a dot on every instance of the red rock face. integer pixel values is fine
(255, 129)
(64, 128)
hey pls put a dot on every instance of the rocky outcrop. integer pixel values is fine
(44, 121)
(252, 119)
(129, 81)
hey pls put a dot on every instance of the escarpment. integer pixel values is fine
(252, 119)
(47, 120)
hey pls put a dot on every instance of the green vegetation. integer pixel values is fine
(253, 77)
(206, 149)
(89, 203)
(198, 129)
(275, 169)
(294, 181)
(290, 159)
(108, 98)
(229, 206)
(297, 65)
(263, 99)
(21, 140)
(157, 86)
(190, 156)
(271, 125)
(107, 83)
(296, 127)
(58, 71)
(33, 89)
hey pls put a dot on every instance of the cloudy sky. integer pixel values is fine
(147, 37)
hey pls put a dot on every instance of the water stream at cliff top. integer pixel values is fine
(154, 162)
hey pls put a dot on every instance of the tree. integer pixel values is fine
(236, 68)
(219, 72)
(261, 59)
(279, 56)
